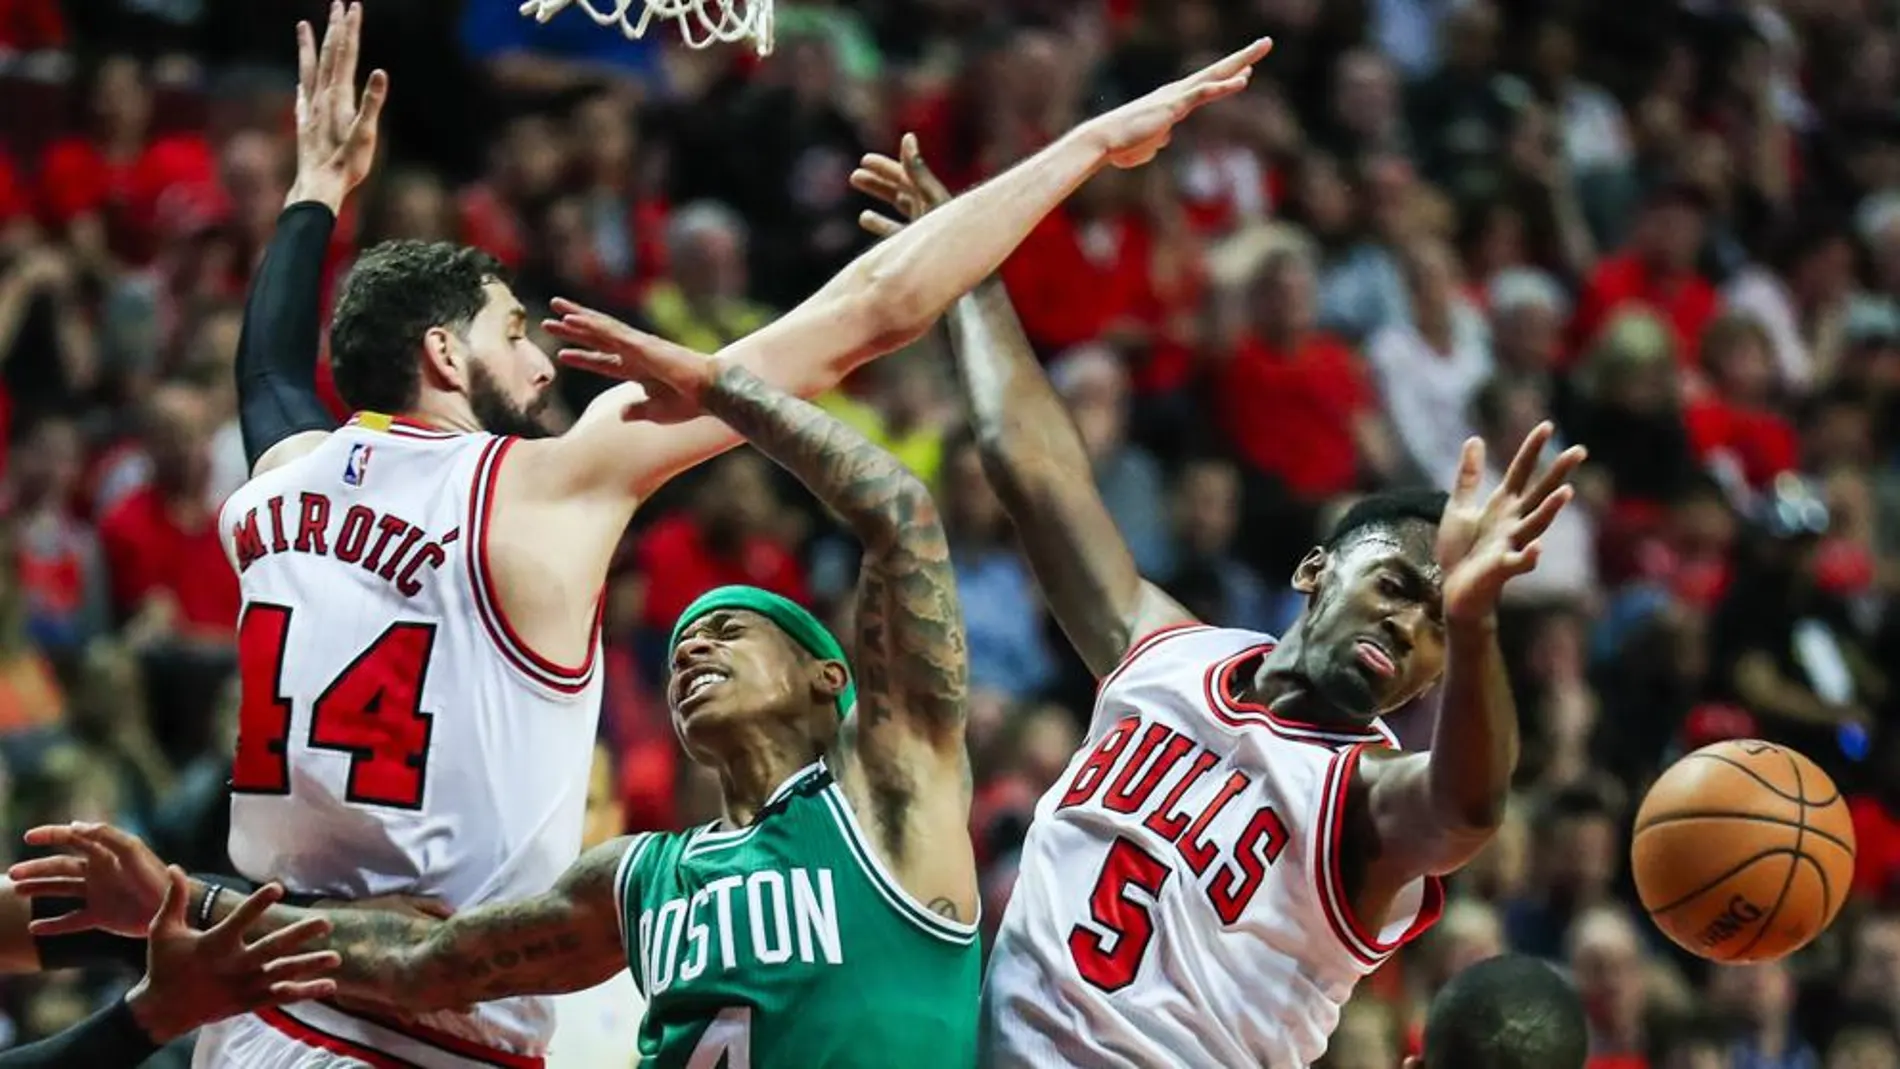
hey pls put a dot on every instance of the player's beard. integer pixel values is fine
(499, 415)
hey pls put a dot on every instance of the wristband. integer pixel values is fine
(212, 890)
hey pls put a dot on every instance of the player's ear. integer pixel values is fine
(831, 679)
(1312, 566)
(442, 361)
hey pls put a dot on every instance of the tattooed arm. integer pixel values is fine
(909, 654)
(901, 756)
(565, 940)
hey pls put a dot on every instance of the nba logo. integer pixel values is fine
(356, 469)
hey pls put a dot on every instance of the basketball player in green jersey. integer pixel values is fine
(829, 919)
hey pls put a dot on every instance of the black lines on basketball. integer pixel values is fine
(1756, 776)
(1787, 881)
(1735, 870)
(1683, 817)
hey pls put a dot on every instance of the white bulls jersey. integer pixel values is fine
(1179, 902)
(395, 736)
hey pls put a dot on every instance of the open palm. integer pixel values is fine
(1484, 542)
(336, 132)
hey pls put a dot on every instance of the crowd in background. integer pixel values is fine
(1673, 227)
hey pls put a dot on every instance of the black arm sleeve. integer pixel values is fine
(83, 949)
(109, 1039)
(277, 351)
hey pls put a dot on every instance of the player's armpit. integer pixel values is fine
(1036, 460)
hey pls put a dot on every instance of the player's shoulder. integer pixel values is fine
(1186, 647)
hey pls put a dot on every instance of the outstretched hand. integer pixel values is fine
(1134, 132)
(1484, 543)
(336, 133)
(120, 880)
(193, 978)
(673, 377)
(906, 184)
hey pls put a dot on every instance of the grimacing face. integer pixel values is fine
(734, 672)
(1374, 626)
(510, 377)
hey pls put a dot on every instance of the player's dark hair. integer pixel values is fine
(395, 294)
(1506, 1013)
(1384, 511)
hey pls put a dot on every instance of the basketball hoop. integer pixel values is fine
(703, 23)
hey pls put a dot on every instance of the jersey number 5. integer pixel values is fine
(371, 711)
(1111, 962)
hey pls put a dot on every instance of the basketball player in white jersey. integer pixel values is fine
(1240, 840)
(422, 586)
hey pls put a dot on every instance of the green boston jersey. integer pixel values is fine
(786, 943)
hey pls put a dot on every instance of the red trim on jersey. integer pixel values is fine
(456, 1045)
(1143, 645)
(565, 679)
(1364, 945)
(314, 1037)
(401, 426)
(1235, 713)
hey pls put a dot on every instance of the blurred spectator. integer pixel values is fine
(1734, 426)
(61, 573)
(1002, 608)
(103, 188)
(1094, 385)
(1574, 861)
(1656, 269)
(703, 304)
(1785, 644)
(1760, 999)
(524, 169)
(906, 409)
(170, 575)
(1606, 959)
(30, 695)
(1429, 368)
(1461, 114)
(1203, 572)
(1798, 296)
(1293, 403)
(1528, 309)
(729, 535)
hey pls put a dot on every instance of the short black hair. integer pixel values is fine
(1390, 509)
(396, 293)
(1511, 1012)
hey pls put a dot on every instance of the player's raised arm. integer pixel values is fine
(564, 940)
(885, 298)
(1031, 450)
(279, 410)
(1432, 812)
(910, 656)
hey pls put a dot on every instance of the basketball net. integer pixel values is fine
(703, 23)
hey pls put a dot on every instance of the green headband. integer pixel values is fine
(791, 618)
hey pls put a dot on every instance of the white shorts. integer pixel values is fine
(312, 1035)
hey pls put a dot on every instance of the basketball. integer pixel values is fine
(1743, 851)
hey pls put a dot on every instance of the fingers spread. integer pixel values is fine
(1539, 519)
(1557, 474)
(231, 929)
(1518, 476)
(40, 868)
(51, 887)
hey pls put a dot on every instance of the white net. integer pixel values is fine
(703, 23)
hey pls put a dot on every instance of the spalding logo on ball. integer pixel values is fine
(1743, 851)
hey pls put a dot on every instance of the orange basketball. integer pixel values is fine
(1743, 851)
